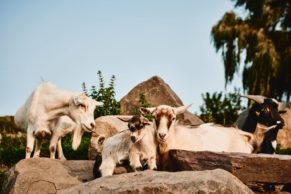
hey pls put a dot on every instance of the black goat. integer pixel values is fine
(264, 112)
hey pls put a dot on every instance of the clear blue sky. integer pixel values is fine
(67, 42)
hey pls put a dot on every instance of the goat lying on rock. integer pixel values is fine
(136, 145)
(206, 137)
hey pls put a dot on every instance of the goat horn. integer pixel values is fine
(257, 98)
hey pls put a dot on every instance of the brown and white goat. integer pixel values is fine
(136, 145)
(205, 137)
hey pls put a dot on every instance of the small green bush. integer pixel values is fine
(143, 103)
(106, 95)
(81, 153)
(12, 150)
(283, 151)
(221, 108)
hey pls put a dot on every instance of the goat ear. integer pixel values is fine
(124, 119)
(147, 111)
(269, 128)
(249, 138)
(79, 99)
(146, 121)
(181, 109)
(101, 140)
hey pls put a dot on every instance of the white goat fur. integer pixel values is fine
(206, 137)
(64, 125)
(106, 126)
(45, 106)
(120, 147)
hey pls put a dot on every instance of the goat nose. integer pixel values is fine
(133, 139)
(162, 135)
(92, 125)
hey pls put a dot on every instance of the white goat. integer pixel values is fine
(136, 144)
(206, 137)
(61, 127)
(45, 105)
(106, 126)
(64, 125)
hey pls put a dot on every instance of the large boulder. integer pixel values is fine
(261, 172)
(156, 92)
(211, 181)
(44, 175)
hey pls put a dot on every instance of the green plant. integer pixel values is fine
(106, 95)
(81, 153)
(12, 149)
(143, 103)
(221, 109)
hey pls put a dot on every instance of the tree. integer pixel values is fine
(263, 37)
(104, 94)
(221, 109)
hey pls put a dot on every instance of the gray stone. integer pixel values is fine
(44, 175)
(156, 92)
(211, 181)
(260, 172)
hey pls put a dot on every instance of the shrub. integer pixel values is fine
(106, 95)
(221, 109)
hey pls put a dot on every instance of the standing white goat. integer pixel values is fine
(45, 105)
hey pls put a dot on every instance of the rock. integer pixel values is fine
(44, 175)
(211, 181)
(156, 92)
(261, 172)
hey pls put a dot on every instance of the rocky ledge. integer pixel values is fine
(53, 176)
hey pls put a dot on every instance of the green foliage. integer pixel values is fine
(262, 36)
(7, 125)
(221, 109)
(106, 95)
(12, 150)
(81, 153)
(283, 151)
(143, 103)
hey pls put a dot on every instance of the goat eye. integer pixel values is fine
(174, 118)
(82, 107)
